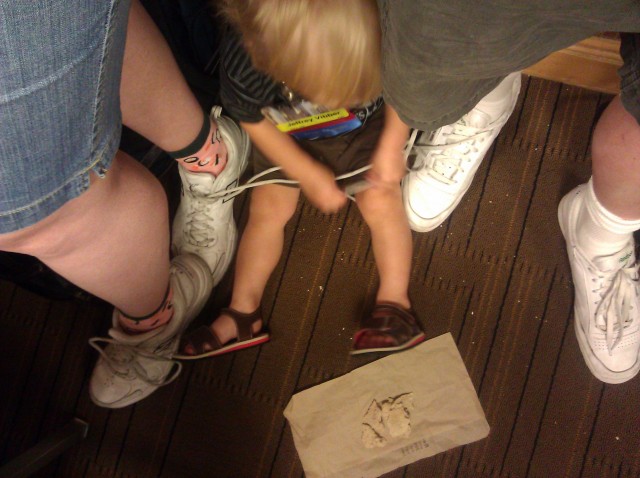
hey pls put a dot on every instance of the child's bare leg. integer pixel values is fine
(383, 211)
(258, 254)
(261, 246)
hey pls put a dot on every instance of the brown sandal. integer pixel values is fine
(392, 321)
(203, 335)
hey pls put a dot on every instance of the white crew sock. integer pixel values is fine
(599, 232)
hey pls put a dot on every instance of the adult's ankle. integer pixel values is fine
(599, 231)
(161, 316)
(207, 153)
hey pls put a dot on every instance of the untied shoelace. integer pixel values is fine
(125, 355)
(614, 309)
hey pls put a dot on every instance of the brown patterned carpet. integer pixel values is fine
(495, 275)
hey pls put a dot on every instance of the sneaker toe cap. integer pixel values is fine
(426, 213)
(622, 360)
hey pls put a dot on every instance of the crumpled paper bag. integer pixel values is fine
(326, 420)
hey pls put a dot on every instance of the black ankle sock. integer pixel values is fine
(196, 144)
(162, 305)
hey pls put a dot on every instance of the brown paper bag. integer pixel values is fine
(326, 420)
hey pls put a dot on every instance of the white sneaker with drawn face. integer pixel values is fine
(446, 160)
(131, 367)
(607, 301)
(204, 223)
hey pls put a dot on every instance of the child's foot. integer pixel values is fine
(231, 331)
(389, 328)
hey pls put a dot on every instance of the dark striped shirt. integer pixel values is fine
(244, 91)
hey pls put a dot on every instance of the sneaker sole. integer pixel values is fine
(418, 339)
(130, 399)
(234, 347)
(597, 368)
(223, 266)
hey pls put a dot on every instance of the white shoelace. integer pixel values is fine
(199, 225)
(253, 182)
(617, 294)
(200, 229)
(125, 356)
(461, 142)
(451, 158)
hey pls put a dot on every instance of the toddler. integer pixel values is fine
(282, 60)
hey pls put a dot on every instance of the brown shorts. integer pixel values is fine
(342, 154)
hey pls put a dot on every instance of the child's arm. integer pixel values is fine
(387, 162)
(317, 182)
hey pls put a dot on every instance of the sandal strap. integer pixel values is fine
(243, 321)
(394, 320)
(200, 337)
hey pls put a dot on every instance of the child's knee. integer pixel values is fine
(376, 202)
(274, 207)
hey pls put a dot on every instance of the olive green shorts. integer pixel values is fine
(342, 154)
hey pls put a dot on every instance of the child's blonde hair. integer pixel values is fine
(328, 51)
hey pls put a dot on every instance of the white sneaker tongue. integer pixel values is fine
(202, 180)
(620, 260)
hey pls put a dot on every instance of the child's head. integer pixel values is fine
(328, 51)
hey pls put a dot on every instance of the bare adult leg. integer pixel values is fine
(158, 104)
(112, 241)
(155, 98)
(616, 162)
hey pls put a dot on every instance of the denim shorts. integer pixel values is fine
(60, 68)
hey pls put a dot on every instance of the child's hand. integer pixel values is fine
(320, 188)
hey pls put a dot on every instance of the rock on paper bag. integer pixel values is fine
(443, 412)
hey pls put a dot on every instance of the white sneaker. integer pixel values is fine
(447, 159)
(606, 317)
(131, 367)
(204, 223)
